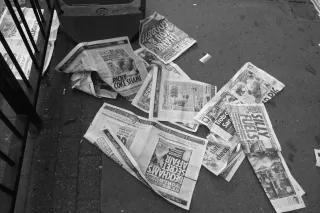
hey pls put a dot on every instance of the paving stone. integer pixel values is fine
(85, 206)
(89, 177)
(87, 148)
(67, 157)
(64, 196)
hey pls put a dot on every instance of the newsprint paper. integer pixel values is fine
(142, 98)
(177, 100)
(163, 38)
(217, 153)
(253, 127)
(113, 60)
(249, 85)
(283, 191)
(166, 159)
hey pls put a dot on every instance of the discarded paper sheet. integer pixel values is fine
(142, 98)
(249, 85)
(253, 127)
(163, 38)
(113, 60)
(277, 181)
(177, 100)
(169, 159)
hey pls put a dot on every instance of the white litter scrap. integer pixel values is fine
(205, 58)
(317, 153)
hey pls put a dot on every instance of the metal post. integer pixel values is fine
(15, 96)
(23, 36)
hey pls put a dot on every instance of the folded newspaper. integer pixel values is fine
(283, 191)
(249, 85)
(177, 100)
(254, 128)
(164, 39)
(142, 98)
(114, 61)
(165, 159)
(16, 44)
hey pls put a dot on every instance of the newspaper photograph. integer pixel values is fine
(253, 127)
(169, 159)
(163, 38)
(16, 44)
(214, 115)
(218, 152)
(253, 85)
(276, 180)
(113, 60)
(177, 100)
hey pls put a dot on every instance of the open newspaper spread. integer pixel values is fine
(253, 127)
(169, 159)
(164, 39)
(113, 60)
(249, 85)
(177, 100)
(142, 98)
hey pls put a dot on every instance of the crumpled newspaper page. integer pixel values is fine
(113, 60)
(164, 39)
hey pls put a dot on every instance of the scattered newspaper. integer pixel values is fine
(317, 153)
(218, 152)
(235, 160)
(177, 100)
(142, 98)
(249, 85)
(167, 160)
(254, 128)
(92, 84)
(113, 60)
(163, 38)
(283, 191)
(15, 42)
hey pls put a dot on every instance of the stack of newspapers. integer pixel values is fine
(167, 159)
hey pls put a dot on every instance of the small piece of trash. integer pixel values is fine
(194, 4)
(205, 58)
(122, 210)
(64, 91)
(317, 153)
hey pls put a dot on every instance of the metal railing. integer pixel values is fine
(21, 95)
